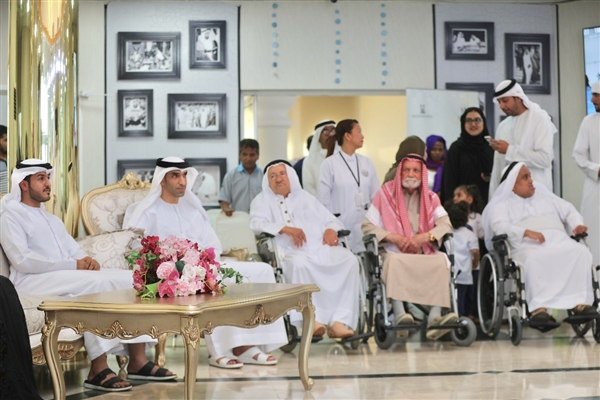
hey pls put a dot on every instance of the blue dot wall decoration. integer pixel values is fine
(383, 53)
(338, 47)
(275, 43)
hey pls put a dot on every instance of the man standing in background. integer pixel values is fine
(587, 156)
(526, 135)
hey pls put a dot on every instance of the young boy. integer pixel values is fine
(242, 183)
(466, 255)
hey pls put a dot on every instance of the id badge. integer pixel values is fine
(359, 200)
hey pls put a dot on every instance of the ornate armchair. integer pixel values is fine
(103, 208)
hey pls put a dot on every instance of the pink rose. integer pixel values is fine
(165, 270)
(165, 289)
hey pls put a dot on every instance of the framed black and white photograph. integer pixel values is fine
(207, 44)
(135, 112)
(197, 116)
(149, 55)
(210, 177)
(486, 99)
(528, 61)
(144, 169)
(469, 40)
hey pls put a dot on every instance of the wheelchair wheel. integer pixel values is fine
(383, 337)
(292, 333)
(490, 295)
(517, 330)
(596, 329)
(362, 304)
(465, 335)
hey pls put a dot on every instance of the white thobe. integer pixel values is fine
(163, 219)
(340, 191)
(310, 171)
(333, 269)
(587, 156)
(558, 271)
(43, 261)
(530, 138)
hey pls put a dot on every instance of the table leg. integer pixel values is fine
(308, 325)
(191, 337)
(50, 346)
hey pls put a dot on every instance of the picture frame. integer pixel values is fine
(469, 40)
(144, 169)
(208, 44)
(207, 186)
(528, 61)
(486, 99)
(149, 55)
(135, 113)
(197, 116)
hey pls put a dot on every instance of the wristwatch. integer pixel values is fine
(431, 237)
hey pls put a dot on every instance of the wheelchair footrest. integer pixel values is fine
(315, 339)
(448, 326)
(404, 327)
(542, 326)
(357, 337)
(581, 318)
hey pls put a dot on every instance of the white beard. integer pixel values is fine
(411, 183)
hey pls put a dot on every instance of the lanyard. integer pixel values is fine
(350, 169)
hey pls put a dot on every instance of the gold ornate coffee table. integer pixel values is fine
(120, 314)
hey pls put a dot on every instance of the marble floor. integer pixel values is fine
(556, 365)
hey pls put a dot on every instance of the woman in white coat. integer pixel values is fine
(348, 182)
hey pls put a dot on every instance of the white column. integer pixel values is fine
(273, 125)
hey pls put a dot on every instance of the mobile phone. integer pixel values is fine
(487, 138)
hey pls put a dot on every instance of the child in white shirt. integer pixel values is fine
(466, 256)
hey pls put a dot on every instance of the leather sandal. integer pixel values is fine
(108, 385)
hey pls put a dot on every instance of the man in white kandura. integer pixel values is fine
(557, 268)
(587, 156)
(316, 154)
(409, 223)
(172, 209)
(526, 135)
(46, 260)
(306, 236)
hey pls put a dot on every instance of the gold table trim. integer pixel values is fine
(120, 314)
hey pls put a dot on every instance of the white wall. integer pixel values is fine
(572, 18)
(171, 17)
(306, 46)
(507, 18)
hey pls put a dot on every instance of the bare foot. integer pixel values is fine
(99, 365)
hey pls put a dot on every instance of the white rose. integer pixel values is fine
(189, 271)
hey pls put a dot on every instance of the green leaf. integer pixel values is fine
(179, 265)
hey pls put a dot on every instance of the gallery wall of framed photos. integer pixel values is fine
(172, 89)
(480, 45)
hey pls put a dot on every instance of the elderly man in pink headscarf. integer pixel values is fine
(409, 224)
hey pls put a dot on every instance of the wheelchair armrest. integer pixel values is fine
(265, 235)
(447, 236)
(498, 238)
(579, 236)
(368, 238)
(343, 233)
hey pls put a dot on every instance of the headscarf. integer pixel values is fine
(436, 165)
(316, 155)
(389, 202)
(164, 166)
(476, 144)
(410, 145)
(21, 171)
(510, 88)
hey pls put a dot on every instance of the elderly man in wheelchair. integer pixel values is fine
(533, 248)
(305, 233)
(409, 224)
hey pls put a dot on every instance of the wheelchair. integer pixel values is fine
(376, 320)
(497, 270)
(267, 251)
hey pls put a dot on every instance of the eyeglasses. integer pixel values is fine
(473, 121)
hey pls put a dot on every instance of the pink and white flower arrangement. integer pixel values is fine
(177, 267)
